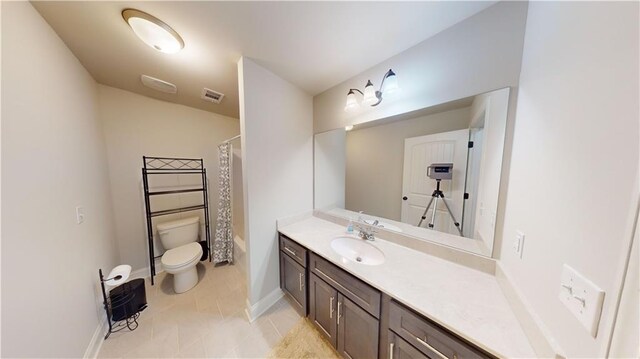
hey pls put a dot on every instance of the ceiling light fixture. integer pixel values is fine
(153, 32)
(370, 96)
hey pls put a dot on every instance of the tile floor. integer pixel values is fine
(206, 322)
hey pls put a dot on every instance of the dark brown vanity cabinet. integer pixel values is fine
(357, 319)
(333, 309)
(400, 349)
(293, 275)
(357, 331)
(323, 303)
(426, 337)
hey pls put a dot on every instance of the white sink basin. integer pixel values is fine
(383, 225)
(357, 250)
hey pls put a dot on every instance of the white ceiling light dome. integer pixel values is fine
(153, 31)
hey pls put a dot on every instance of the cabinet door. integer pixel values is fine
(322, 307)
(427, 336)
(293, 282)
(400, 349)
(357, 331)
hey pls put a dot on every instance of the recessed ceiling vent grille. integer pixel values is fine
(211, 96)
(158, 85)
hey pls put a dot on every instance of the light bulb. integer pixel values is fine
(369, 94)
(352, 102)
(390, 83)
(153, 31)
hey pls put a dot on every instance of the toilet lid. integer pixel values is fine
(182, 255)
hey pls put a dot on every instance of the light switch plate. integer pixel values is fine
(582, 297)
(518, 243)
(79, 214)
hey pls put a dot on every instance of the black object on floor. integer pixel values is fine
(131, 297)
(205, 250)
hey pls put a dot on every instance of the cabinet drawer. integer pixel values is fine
(359, 292)
(400, 349)
(294, 250)
(428, 337)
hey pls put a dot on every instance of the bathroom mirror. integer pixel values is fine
(433, 174)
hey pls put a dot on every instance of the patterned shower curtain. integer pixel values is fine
(223, 243)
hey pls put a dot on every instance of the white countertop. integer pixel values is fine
(462, 243)
(468, 302)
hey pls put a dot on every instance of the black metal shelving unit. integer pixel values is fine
(174, 166)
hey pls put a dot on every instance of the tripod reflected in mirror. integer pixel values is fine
(439, 172)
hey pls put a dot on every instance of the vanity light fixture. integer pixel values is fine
(370, 96)
(153, 31)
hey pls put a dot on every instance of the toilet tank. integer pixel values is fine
(178, 233)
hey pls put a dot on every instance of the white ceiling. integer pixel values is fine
(314, 45)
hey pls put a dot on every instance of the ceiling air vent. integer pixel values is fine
(211, 96)
(158, 85)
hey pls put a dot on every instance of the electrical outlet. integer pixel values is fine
(582, 297)
(518, 243)
(79, 214)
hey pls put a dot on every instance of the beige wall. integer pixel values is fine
(53, 159)
(493, 107)
(573, 185)
(375, 156)
(277, 139)
(329, 169)
(479, 54)
(134, 126)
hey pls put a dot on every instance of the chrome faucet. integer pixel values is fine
(365, 231)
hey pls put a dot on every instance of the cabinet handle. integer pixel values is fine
(290, 251)
(321, 272)
(390, 350)
(331, 308)
(424, 342)
(300, 281)
(339, 306)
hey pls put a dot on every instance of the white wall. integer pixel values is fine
(479, 54)
(329, 171)
(375, 159)
(277, 139)
(494, 106)
(626, 335)
(134, 126)
(574, 166)
(53, 159)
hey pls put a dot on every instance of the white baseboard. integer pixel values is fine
(256, 310)
(145, 272)
(96, 341)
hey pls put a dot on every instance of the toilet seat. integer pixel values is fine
(182, 256)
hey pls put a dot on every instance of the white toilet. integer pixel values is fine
(183, 252)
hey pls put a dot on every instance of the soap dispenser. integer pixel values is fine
(350, 226)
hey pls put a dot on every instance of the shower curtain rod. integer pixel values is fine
(231, 139)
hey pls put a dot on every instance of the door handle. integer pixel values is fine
(331, 308)
(405, 198)
(424, 342)
(300, 281)
(339, 306)
(289, 250)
